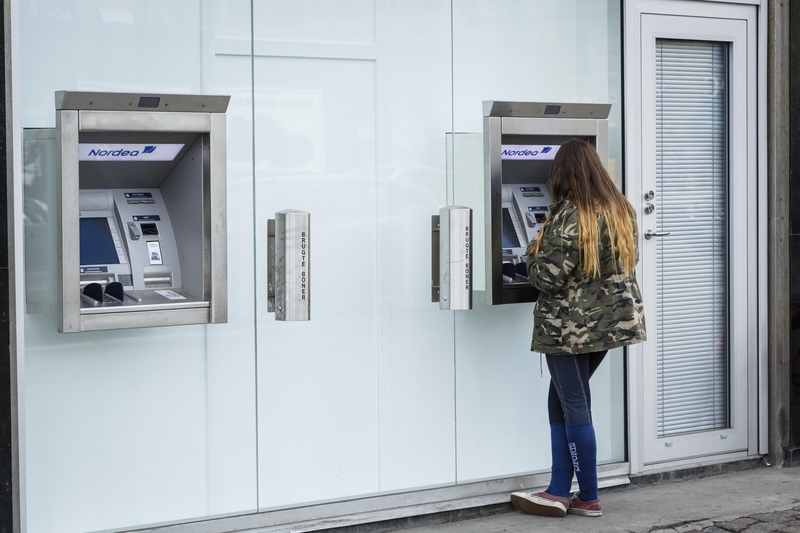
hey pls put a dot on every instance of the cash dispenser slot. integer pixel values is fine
(521, 139)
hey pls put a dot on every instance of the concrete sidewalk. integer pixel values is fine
(759, 500)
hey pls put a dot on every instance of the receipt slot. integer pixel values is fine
(289, 266)
(520, 140)
(139, 199)
(451, 258)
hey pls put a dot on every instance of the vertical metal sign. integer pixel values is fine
(289, 274)
(454, 257)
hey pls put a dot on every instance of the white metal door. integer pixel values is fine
(697, 156)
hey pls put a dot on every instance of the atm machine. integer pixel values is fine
(135, 201)
(520, 141)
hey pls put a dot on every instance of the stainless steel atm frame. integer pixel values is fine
(119, 116)
(521, 123)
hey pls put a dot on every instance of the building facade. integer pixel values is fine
(368, 115)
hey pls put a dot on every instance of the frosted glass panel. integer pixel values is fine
(116, 435)
(608, 407)
(318, 21)
(501, 396)
(231, 390)
(133, 427)
(317, 380)
(134, 47)
(231, 19)
(573, 56)
(343, 111)
(415, 350)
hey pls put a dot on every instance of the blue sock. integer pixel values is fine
(583, 451)
(561, 472)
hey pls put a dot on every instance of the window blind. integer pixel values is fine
(692, 262)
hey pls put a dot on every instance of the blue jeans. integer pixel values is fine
(570, 400)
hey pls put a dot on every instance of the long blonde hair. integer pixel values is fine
(578, 174)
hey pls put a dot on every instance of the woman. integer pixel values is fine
(583, 263)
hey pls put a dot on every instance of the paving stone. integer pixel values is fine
(714, 529)
(764, 527)
(694, 526)
(738, 525)
(776, 516)
(670, 530)
(791, 527)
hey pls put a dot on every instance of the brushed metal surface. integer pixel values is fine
(216, 229)
(493, 222)
(271, 265)
(104, 117)
(205, 103)
(144, 121)
(147, 304)
(455, 258)
(434, 258)
(492, 108)
(292, 265)
(68, 241)
(549, 126)
(144, 319)
(503, 119)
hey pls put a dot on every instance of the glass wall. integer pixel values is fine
(517, 50)
(149, 425)
(342, 108)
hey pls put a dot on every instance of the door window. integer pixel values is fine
(692, 262)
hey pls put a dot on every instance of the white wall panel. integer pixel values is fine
(317, 380)
(140, 426)
(100, 46)
(501, 398)
(515, 50)
(380, 391)
(231, 18)
(415, 350)
(608, 407)
(231, 388)
(116, 426)
(315, 21)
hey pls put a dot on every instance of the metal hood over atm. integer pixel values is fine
(520, 140)
(141, 195)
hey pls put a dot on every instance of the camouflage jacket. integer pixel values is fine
(576, 313)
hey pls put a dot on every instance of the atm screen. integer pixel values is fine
(510, 239)
(97, 244)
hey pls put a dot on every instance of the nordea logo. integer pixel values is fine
(128, 152)
(121, 153)
(528, 151)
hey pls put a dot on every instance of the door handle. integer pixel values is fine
(649, 234)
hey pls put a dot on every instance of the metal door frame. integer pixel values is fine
(748, 402)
